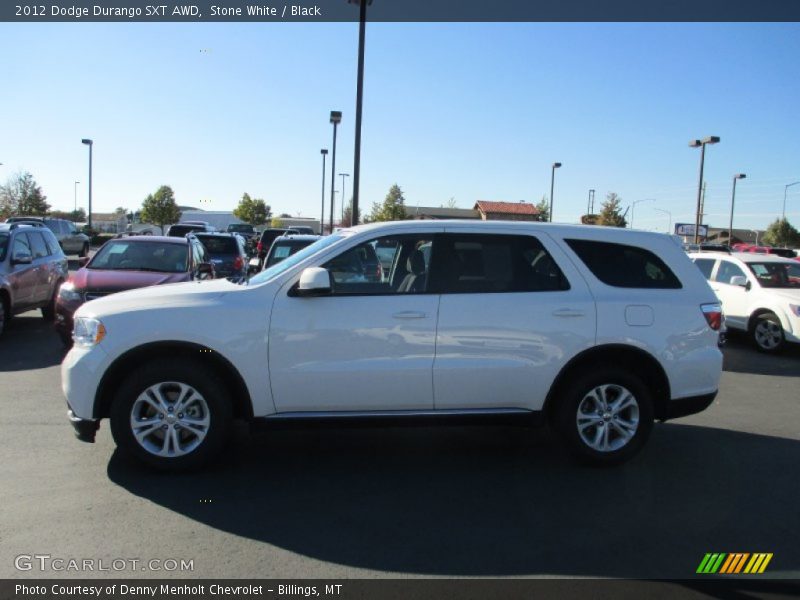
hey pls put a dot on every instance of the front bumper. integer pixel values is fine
(85, 429)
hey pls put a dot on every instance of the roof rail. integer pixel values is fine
(17, 224)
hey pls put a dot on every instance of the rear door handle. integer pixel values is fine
(409, 314)
(568, 312)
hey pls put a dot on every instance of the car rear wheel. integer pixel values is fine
(84, 251)
(173, 416)
(767, 333)
(49, 311)
(605, 416)
(3, 315)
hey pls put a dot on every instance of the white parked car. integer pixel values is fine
(760, 294)
(599, 331)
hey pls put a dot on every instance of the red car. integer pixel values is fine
(126, 263)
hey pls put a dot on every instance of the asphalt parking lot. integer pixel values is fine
(405, 502)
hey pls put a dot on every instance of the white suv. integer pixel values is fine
(598, 331)
(760, 294)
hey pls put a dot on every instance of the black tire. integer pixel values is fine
(127, 402)
(49, 311)
(767, 334)
(84, 251)
(602, 422)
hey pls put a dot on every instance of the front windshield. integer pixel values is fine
(776, 274)
(297, 258)
(141, 256)
(3, 245)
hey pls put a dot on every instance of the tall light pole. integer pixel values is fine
(785, 189)
(669, 214)
(556, 165)
(75, 210)
(362, 28)
(590, 205)
(336, 118)
(635, 202)
(756, 232)
(344, 197)
(324, 153)
(89, 143)
(712, 139)
(733, 199)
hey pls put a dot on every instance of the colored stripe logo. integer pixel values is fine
(734, 563)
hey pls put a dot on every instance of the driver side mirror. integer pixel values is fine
(314, 281)
(741, 281)
(21, 259)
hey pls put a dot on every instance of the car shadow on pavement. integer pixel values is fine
(29, 342)
(740, 356)
(493, 501)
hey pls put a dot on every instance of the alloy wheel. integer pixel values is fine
(607, 417)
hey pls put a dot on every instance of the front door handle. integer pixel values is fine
(409, 314)
(568, 312)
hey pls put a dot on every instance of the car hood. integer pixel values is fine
(178, 295)
(792, 295)
(117, 280)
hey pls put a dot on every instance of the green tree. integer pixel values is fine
(610, 214)
(543, 206)
(160, 208)
(276, 222)
(781, 233)
(392, 209)
(21, 196)
(450, 203)
(252, 210)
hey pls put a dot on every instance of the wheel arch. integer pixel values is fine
(169, 350)
(754, 315)
(639, 361)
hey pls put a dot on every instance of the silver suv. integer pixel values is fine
(69, 238)
(32, 268)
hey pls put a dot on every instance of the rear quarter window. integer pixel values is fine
(620, 265)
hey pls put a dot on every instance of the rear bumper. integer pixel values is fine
(85, 429)
(683, 407)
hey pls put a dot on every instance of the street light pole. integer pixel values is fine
(733, 200)
(556, 165)
(344, 198)
(324, 153)
(669, 214)
(89, 143)
(75, 210)
(712, 139)
(362, 28)
(635, 202)
(786, 189)
(336, 118)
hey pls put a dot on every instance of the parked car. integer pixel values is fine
(32, 267)
(227, 253)
(130, 262)
(248, 232)
(597, 330)
(707, 248)
(182, 229)
(303, 229)
(265, 241)
(69, 238)
(760, 294)
(286, 245)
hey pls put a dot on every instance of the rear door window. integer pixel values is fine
(37, 244)
(728, 270)
(620, 265)
(706, 266)
(470, 263)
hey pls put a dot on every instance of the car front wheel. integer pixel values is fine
(767, 333)
(171, 416)
(605, 416)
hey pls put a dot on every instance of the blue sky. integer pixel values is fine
(468, 111)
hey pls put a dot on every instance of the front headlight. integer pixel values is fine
(67, 292)
(795, 308)
(88, 331)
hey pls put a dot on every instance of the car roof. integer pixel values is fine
(136, 239)
(299, 237)
(224, 234)
(745, 257)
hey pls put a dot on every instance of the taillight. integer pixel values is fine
(238, 263)
(259, 246)
(713, 314)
